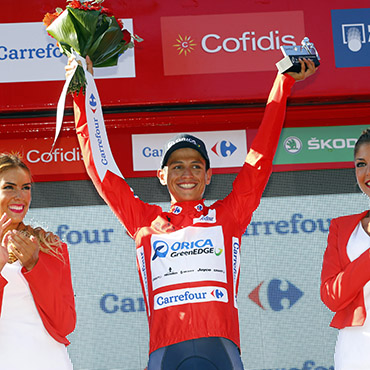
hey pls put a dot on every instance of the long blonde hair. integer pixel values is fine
(49, 242)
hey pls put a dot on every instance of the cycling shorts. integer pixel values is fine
(213, 353)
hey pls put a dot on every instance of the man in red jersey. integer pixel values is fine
(188, 258)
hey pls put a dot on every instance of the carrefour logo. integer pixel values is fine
(224, 148)
(217, 293)
(28, 53)
(184, 248)
(93, 103)
(275, 295)
(191, 295)
(351, 35)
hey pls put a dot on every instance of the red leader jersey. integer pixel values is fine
(188, 258)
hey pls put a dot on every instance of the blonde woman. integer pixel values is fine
(37, 309)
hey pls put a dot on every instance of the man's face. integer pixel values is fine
(185, 175)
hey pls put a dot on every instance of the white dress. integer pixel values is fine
(24, 341)
(352, 350)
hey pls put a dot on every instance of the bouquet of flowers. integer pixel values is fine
(88, 28)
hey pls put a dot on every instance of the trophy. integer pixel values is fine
(292, 54)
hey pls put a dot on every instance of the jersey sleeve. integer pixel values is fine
(51, 285)
(340, 285)
(130, 210)
(253, 177)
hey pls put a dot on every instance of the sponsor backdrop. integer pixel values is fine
(351, 30)
(20, 64)
(299, 147)
(283, 323)
(192, 52)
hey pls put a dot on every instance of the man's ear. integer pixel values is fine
(208, 176)
(162, 175)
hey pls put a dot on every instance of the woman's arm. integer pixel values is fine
(51, 285)
(340, 285)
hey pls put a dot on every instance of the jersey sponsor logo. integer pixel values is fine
(191, 295)
(208, 218)
(188, 255)
(185, 248)
(275, 294)
(351, 36)
(143, 272)
(161, 249)
(199, 207)
(236, 268)
(176, 210)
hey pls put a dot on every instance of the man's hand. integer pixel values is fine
(89, 65)
(69, 68)
(307, 69)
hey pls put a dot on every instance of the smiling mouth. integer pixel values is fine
(187, 186)
(16, 209)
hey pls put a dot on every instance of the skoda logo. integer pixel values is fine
(292, 145)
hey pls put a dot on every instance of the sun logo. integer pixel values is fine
(184, 45)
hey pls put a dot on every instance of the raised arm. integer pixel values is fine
(51, 286)
(341, 284)
(130, 210)
(252, 179)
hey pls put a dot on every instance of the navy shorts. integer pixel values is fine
(213, 353)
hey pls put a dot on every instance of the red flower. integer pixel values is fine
(107, 12)
(75, 4)
(120, 24)
(126, 36)
(95, 7)
(50, 18)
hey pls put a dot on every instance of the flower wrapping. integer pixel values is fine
(88, 28)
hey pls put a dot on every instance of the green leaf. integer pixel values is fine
(85, 23)
(105, 46)
(63, 30)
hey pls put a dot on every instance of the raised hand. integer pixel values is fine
(5, 221)
(69, 67)
(25, 248)
(307, 69)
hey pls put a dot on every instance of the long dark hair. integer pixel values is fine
(363, 139)
(8, 161)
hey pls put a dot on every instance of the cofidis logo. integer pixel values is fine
(228, 42)
(351, 35)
